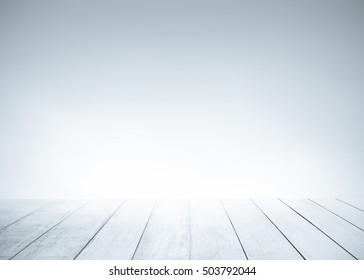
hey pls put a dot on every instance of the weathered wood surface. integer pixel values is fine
(258, 235)
(212, 235)
(19, 235)
(166, 235)
(12, 210)
(182, 229)
(354, 202)
(119, 238)
(343, 233)
(69, 237)
(307, 239)
(345, 211)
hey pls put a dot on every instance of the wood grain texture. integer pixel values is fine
(348, 236)
(12, 210)
(68, 238)
(354, 202)
(119, 238)
(212, 235)
(258, 235)
(308, 240)
(345, 211)
(17, 236)
(182, 229)
(166, 235)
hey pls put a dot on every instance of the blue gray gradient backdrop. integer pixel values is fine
(181, 98)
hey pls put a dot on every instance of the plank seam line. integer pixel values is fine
(105, 222)
(279, 230)
(141, 235)
(336, 214)
(318, 229)
(27, 215)
(349, 204)
(189, 231)
(48, 230)
(231, 222)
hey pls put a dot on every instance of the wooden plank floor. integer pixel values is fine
(166, 234)
(212, 235)
(182, 229)
(14, 210)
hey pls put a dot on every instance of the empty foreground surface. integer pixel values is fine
(182, 229)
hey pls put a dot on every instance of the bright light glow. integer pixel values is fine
(173, 150)
(181, 98)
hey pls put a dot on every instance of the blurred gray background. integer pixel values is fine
(181, 98)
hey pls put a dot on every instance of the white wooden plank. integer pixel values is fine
(68, 238)
(357, 202)
(12, 210)
(18, 235)
(212, 235)
(348, 236)
(166, 235)
(119, 238)
(258, 235)
(350, 214)
(308, 240)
